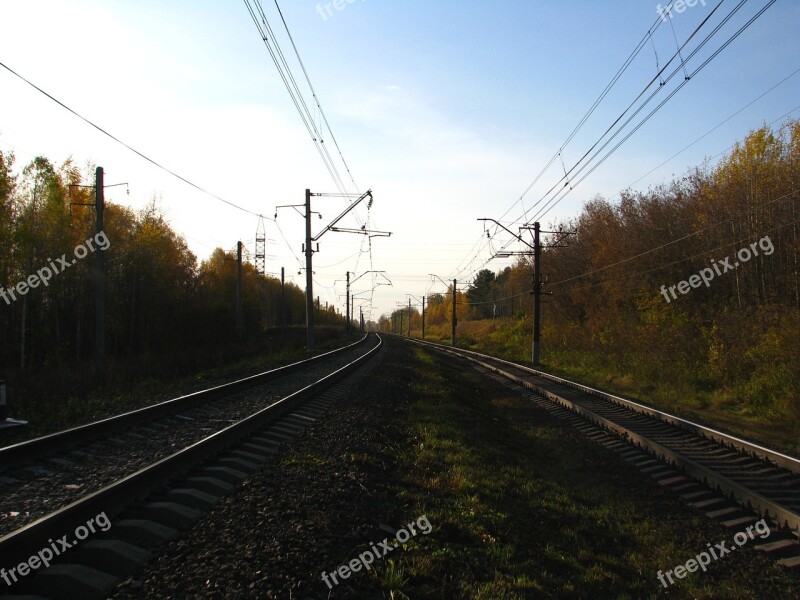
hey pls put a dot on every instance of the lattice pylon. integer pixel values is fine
(261, 248)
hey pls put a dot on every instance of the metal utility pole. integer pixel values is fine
(537, 292)
(347, 305)
(350, 298)
(309, 277)
(423, 317)
(99, 265)
(410, 297)
(453, 335)
(536, 289)
(537, 276)
(239, 317)
(283, 298)
(537, 283)
(309, 251)
(409, 317)
(100, 270)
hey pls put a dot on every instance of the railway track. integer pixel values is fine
(730, 479)
(109, 531)
(40, 475)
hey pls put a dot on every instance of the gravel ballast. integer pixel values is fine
(31, 491)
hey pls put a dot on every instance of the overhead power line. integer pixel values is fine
(582, 162)
(314, 94)
(131, 148)
(781, 118)
(495, 300)
(272, 45)
(569, 186)
(720, 124)
(620, 72)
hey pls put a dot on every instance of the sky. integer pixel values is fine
(447, 111)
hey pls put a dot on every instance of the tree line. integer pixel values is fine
(158, 297)
(608, 302)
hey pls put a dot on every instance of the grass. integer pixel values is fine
(711, 406)
(524, 507)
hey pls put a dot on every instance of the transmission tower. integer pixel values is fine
(261, 247)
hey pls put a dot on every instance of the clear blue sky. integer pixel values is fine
(446, 110)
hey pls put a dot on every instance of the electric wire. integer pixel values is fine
(314, 94)
(620, 72)
(584, 163)
(288, 245)
(290, 83)
(642, 43)
(717, 126)
(525, 293)
(565, 192)
(131, 148)
(270, 41)
(543, 212)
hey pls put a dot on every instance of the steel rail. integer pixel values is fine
(48, 444)
(115, 497)
(744, 495)
(787, 462)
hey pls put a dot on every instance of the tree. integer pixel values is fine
(481, 293)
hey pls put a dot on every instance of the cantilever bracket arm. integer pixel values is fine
(333, 223)
(388, 281)
(509, 254)
(516, 235)
(361, 231)
(352, 282)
